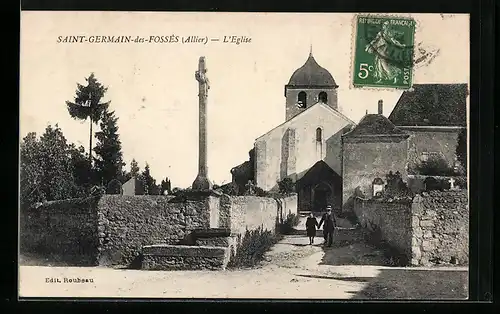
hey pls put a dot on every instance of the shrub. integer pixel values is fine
(432, 184)
(290, 222)
(395, 187)
(461, 182)
(260, 192)
(286, 186)
(435, 166)
(230, 189)
(252, 247)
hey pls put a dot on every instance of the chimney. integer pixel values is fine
(380, 106)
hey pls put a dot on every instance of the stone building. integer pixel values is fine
(425, 123)
(306, 147)
(433, 115)
(330, 158)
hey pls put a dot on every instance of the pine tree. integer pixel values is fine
(134, 168)
(109, 158)
(87, 105)
(149, 183)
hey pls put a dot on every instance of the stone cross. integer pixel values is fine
(202, 182)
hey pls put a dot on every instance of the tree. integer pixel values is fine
(134, 172)
(82, 172)
(165, 185)
(49, 168)
(461, 149)
(149, 182)
(134, 168)
(109, 158)
(87, 104)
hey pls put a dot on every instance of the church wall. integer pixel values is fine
(366, 159)
(443, 143)
(275, 158)
(312, 97)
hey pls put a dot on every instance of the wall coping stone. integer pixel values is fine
(211, 233)
(194, 195)
(183, 250)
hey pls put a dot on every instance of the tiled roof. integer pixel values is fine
(432, 105)
(374, 124)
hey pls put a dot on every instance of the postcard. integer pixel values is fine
(244, 155)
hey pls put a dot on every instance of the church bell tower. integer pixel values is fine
(308, 85)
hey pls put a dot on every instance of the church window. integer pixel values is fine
(319, 135)
(302, 99)
(323, 97)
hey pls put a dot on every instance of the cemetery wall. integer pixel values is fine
(386, 221)
(127, 223)
(113, 229)
(64, 230)
(440, 228)
(433, 228)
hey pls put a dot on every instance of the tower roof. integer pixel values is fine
(311, 74)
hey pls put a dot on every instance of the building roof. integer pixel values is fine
(432, 105)
(318, 104)
(311, 74)
(374, 124)
(318, 172)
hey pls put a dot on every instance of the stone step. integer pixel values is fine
(185, 257)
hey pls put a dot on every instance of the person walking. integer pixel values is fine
(311, 224)
(329, 225)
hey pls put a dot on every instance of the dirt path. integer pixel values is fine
(291, 269)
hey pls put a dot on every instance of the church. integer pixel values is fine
(330, 157)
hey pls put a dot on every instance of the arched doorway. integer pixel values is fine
(321, 194)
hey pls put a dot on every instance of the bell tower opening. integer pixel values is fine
(323, 97)
(302, 100)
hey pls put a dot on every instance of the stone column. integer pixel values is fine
(201, 182)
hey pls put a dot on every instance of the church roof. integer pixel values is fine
(431, 105)
(311, 74)
(374, 124)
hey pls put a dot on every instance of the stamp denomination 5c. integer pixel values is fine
(383, 52)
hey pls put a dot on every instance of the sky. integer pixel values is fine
(153, 91)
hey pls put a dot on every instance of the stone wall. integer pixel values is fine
(114, 229)
(250, 213)
(389, 221)
(65, 230)
(440, 223)
(433, 228)
(127, 223)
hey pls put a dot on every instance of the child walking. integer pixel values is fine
(311, 225)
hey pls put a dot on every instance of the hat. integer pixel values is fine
(329, 207)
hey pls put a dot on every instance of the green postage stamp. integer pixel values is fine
(383, 52)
